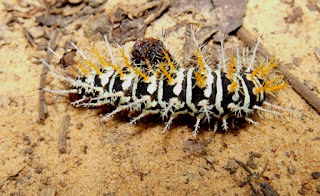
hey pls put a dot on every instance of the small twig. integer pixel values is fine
(250, 175)
(187, 47)
(264, 168)
(63, 134)
(244, 166)
(14, 176)
(253, 175)
(42, 100)
(298, 86)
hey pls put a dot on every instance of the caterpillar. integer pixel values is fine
(151, 82)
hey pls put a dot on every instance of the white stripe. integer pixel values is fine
(246, 102)
(219, 94)
(152, 87)
(209, 81)
(127, 83)
(113, 78)
(235, 96)
(134, 88)
(104, 77)
(180, 77)
(160, 92)
(90, 78)
(189, 91)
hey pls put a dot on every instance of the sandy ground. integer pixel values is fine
(117, 159)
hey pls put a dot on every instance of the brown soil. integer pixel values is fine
(117, 159)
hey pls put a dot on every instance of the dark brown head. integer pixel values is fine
(148, 49)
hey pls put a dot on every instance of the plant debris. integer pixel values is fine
(296, 15)
(194, 147)
(42, 100)
(68, 58)
(14, 176)
(130, 23)
(63, 134)
(231, 166)
(257, 181)
(230, 14)
(317, 53)
(49, 20)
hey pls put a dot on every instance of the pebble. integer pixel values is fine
(256, 154)
(96, 3)
(296, 15)
(231, 166)
(194, 147)
(49, 20)
(315, 175)
(297, 61)
(318, 189)
(74, 1)
(292, 170)
(28, 151)
(27, 140)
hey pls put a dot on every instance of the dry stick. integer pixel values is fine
(14, 176)
(29, 37)
(317, 53)
(42, 99)
(63, 134)
(299, 87)
(164, 5)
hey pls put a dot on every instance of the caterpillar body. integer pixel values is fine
(150, 81)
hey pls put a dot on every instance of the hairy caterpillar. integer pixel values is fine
(150, 82)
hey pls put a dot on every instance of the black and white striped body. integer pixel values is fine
(158, 97)
(153, 83)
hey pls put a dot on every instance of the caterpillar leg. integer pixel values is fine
(101, 100)
(236, 108)
(224, 122)
(168, 123)
(124, 107)
(172, 102)
(196, 127)
(205, 109)
(172, 117)
(79, 102)
(143, 114)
